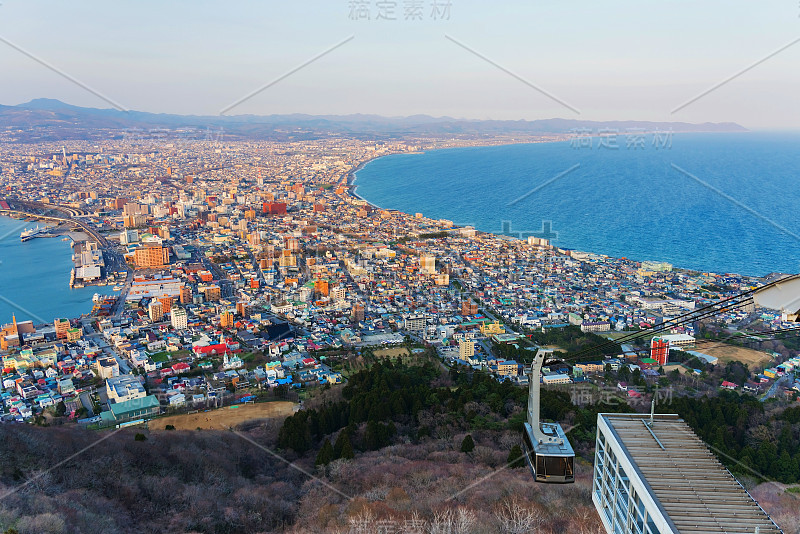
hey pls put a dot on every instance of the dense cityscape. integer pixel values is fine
(250, 276)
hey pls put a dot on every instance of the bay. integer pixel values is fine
(722, 202)
(34, 277)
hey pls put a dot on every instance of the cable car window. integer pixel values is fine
(556, 466)
(540, 468)
(568, 465)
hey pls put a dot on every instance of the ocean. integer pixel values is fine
(723, 202)
(34, 277)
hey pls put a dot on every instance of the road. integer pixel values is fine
(87, 403)
(786, 379)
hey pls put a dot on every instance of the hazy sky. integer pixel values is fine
(609, 60)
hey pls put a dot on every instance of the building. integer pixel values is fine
(106, 367)
(466, 349)
(154, 287)
(505, 367)
(178, 318)
(414, 323)
(488, 329)
(151, 256)
(61, 326)
(427, 264)
(130, 411)
(166, 302)
(659, 350)
(338, 293)
(678, 340)
(657, 477)
(358, 312)
(469, 307)
(126, 237)
(595, 326)
(134, 221)
(556, 378)
(74, 334)
(589, 367)
(211, 293)
(186, 295)
(124, 388)
(155, 310)
(227, 319)
(274, 208)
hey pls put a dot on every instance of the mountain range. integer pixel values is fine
(49, 119)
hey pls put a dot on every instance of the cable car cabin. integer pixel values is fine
(547, 449)
(549, 462)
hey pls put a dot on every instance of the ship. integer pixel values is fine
(32, 232)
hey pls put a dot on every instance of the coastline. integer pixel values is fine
(41, 291)
(351, 174)
(352, 187)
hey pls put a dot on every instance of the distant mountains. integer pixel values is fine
(49, 119)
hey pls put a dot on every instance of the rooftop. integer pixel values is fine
(695, 491)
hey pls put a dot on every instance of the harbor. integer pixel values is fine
(36, 275)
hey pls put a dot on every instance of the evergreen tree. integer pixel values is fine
(468, 444)
(339, 445)
(347, 449)
(515, 458)
(325, 454)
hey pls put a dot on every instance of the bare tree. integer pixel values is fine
(515, 518)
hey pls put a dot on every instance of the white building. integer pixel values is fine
(127, 237)
(414, 323)
(178, 318)
(659, 478)
(124, 388)
(678, 340)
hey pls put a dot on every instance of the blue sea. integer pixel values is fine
(34, 277)
(724, 202)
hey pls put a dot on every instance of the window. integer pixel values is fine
(651, 527)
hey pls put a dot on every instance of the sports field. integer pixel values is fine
(229, 416)
(729, 353)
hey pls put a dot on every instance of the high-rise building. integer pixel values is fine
(466, 349)
(227, 319)
(186, 295)
(659, 350)
(427, 264)
(178, 318)
(321, 287)
(128, 236)
(358, 312)
(166, 302)
(156, 311)
(61, 326)
(338, 293)
(151, 256)
(211, 293)
(414, 323)
(134, 221)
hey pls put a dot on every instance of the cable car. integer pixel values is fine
(547, 450)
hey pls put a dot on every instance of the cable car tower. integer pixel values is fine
(547, 450)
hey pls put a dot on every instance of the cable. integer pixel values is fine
(658, 328)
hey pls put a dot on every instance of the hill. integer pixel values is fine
(49, 119)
